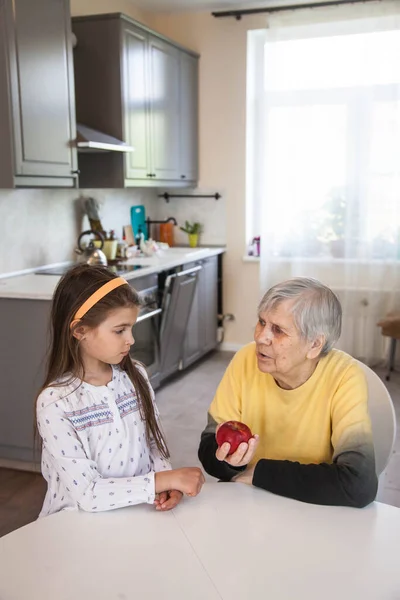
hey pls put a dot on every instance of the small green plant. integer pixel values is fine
(191, 228)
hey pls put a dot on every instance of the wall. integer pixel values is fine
(207, 211)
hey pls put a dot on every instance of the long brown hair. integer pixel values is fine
(64, 357)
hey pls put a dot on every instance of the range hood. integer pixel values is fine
(90, 140)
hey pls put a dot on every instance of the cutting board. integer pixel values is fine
(138, 219)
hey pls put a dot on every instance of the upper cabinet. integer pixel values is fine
(37, 111)
(139, 87)
(188, 110)
(164, 109)
(135, 85)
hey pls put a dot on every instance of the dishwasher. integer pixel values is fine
(179, 290)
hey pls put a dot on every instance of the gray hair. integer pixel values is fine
(316, 309)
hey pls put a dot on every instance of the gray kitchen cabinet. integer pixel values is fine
(164, 109)
(22, 372)
(37, 108)
(137, 111)
(209, 314)
(145, 88)
(189, 122)
(201, 332)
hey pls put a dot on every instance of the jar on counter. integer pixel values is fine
(122, 248)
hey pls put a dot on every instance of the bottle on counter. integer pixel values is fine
(139, 238)
(256, 245)
(122, 248)
(253, 248)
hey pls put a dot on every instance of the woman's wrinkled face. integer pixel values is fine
(280, 350)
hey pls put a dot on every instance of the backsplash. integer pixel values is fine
(39, 227)
(207, 211)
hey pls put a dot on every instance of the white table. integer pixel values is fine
(231, 542)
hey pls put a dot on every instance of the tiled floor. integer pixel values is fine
(183, 404)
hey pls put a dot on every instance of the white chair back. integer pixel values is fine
(383, 418)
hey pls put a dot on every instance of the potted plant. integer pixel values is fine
(193, 230)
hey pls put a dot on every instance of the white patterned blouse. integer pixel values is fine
(94, 451)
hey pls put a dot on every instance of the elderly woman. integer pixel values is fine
(306, 401)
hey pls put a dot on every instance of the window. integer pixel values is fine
(323, 171)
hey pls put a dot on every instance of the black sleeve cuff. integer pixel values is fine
(211, 464)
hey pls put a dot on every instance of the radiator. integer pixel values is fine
(362, 309)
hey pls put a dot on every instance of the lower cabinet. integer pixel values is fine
(23, 345)
(201, 331)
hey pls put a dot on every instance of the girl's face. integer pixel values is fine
(111, 340)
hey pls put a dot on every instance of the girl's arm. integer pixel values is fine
(91, 491)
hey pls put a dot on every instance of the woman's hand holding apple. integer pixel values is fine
(242, 455)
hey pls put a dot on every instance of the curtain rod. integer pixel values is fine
(238, 14)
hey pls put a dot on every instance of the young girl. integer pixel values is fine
(102, 446)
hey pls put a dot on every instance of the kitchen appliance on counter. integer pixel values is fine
(90, 254)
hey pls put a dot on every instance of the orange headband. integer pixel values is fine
(96, 296)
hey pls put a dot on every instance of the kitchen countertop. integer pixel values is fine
(31, 286)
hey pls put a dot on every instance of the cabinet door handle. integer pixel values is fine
(149, 175)
(189, 272)
(76, 172)
(183, 176)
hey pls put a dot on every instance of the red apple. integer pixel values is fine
(234, 433)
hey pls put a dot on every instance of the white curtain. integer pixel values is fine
(324, 164)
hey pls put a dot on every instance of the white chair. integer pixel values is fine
(383, 418)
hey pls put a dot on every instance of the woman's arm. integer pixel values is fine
(351, 479)
(226, 406)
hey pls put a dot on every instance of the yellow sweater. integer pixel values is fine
(323, 421)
